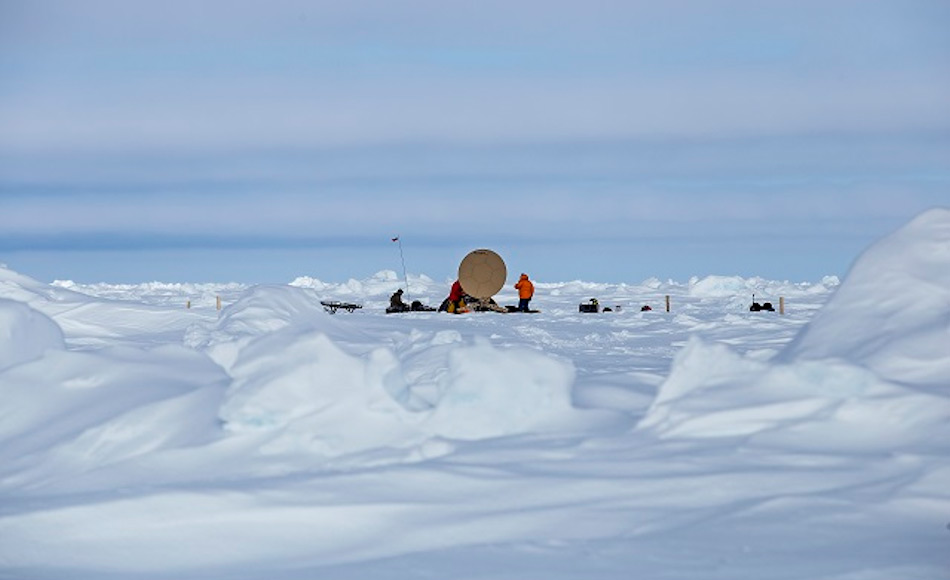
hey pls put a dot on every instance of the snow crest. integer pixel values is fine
(892, 313)
(808, 405)
(25, 334)
(304, 377)
(868, 372)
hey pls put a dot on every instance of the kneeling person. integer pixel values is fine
(396, 304)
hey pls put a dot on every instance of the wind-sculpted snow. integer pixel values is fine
(70, 412)
(291, 377)
(765, 290)
(143, 439)
(818, 405)
(16, 286)
(892, 314)
(378, 288)
(313, 397)
(174, 294)
(25, 334)
(257, 312)
(846, 380)
(476, 391)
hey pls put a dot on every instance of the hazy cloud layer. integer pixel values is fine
(313, 123)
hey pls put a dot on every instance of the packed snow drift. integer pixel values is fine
(146, 434)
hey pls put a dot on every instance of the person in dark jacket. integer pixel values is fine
(395, 302)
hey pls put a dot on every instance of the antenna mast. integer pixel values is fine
(403, 260)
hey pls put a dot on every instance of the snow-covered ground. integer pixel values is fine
(143, 439)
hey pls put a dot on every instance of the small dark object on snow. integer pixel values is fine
(591, 306)
(756, 307)
(483, 305)
(645, 308)
(332, 306)
(513, 308)
(416, 306)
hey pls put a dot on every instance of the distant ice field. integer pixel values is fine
(144, 433)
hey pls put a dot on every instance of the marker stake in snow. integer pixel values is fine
(403, 260)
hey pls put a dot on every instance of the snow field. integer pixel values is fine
(141, 439)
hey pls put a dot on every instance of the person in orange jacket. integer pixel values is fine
(525, 292)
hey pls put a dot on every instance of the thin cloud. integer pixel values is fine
(296, 122)
(219, 75)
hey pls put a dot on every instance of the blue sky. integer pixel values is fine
(609, 141)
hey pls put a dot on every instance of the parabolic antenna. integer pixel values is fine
(482, 274)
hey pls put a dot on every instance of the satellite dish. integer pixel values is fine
(482, 274)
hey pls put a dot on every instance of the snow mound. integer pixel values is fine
(892, 313)
(376, 289)
(72, 411)
(827, 405)
(475, 391)
(260, 310)
(308, 394)
(16, 286)
(301, 387)
(160, 293)
(735, 286)
(309, 382)
(25, 334)
(575, 287)
(868, 372)
(264, 309)
(718, 286)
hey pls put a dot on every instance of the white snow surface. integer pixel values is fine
(140, 438)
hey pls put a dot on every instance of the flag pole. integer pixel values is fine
(403, 260)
